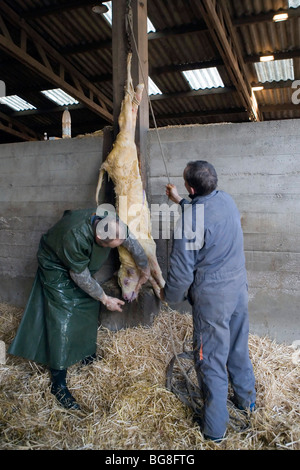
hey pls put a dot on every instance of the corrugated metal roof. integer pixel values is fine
(294, 3)
(153, 88)
(204, 78)
(59, 97)
(84, 39)
(275, 71)
(16, 103)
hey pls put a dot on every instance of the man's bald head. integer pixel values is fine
(110, 231)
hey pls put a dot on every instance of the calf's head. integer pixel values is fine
(128, 278)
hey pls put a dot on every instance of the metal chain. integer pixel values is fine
(128, 22)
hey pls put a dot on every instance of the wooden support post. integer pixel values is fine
(146, 307)
(140, 75)
(119, 54)
(120, 47)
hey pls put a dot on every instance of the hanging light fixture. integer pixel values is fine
(280, 17)
(266, 58)
(99, 9)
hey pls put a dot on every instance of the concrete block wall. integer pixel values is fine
(38, 182)
(258, 164)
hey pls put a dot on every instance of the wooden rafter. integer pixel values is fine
(266, 17)
(75, 4)
(20, 36)
(220, 26)
(200, 114)
(198, 26)
(270, 108)
(48, 63)
(13, 127)
(273, 85)
(292, 54)
(192, 93)
(58, 8)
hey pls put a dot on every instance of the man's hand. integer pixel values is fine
(112, 303)
(172, 193)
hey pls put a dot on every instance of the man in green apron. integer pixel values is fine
(60, 321)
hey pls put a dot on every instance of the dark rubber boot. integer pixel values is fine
(60, 390)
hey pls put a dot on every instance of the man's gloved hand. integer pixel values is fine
(112, 303)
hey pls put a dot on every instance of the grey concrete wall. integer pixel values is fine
(258, 164)
(38, 182)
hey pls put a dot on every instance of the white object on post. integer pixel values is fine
(66, 124)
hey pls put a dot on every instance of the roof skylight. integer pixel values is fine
(275, 71)
(204, 78)
(150, 27)
(60, 97)
(294, 3)
(16, 103)
(108, 16)
(152, 88)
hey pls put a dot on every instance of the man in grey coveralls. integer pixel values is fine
(211, 273)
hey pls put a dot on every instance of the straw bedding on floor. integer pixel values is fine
(124, 399)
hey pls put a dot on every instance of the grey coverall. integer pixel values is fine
(213, 278)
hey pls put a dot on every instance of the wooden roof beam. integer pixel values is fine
(185, 29)
(13, 127)
(55, 9)
(200, 114)
(265, 17)
(293, 54)
(220, 26)
(271, 108)
(187, 66)
(273, 85)
(192, 93)
(48, 63)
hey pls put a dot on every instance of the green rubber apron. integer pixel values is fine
(60, 321)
